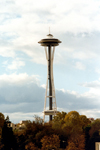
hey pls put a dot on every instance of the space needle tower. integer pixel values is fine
(49, 44)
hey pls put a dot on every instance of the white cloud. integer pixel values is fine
(23, 95)
(7, 51)
(23, 24)
(83, 55)
(79, 66)
(16, 64)
(97, 70)
(19, 116)
(94, 113)
(43, 86)
(94, 90)
(63, 19)
(18, 79)
(93, 84)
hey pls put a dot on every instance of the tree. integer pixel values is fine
(1, 126)
(94, 133)
(95, 126)
(1, 120)
(91, 143)
(72, 118)
(50, 142)
(76, 142)
(57, 124)
(1, 145)
(8, 138)
(72, 123)
(21, 138)
(87, 136)
(58, 120)
(84, 121)
(30, 146)
(38, 120)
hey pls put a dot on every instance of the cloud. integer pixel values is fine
(16, 64)
(20, 93)
(84, 104)
(18, 79)
(22, 116)
(79, 66)
(23, 24)
(93, 84)
(97, 70)
(23, 94)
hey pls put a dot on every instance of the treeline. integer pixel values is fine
(69, 131)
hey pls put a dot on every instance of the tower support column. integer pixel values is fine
(50, 80)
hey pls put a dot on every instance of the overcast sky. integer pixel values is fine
(23, 68)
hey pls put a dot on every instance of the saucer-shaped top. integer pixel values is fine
(50, 40)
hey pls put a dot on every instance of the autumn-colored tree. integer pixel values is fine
(84, 121)
(1, 126)
(38, 120)
(45, 131)
(95, 126)
(65, 129)
(72, 123)
(87, 136)
(72, 118)
(76, 142)
(1, 120)
(33, 133)
(8, 138)
(30, 146)
(58, 120)
(1, 146)
(94, 134)
(50, 142)
(21, 138)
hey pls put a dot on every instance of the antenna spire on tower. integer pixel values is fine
(49, 30)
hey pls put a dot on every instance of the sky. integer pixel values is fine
(23, 66)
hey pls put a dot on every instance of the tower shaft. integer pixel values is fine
(50, 90)
(50, 80)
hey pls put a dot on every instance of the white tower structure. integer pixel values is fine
(49, 43)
